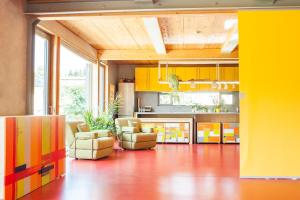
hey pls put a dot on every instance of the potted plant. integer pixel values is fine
(199, 108)
(106, 120)
(174, 85)
(173, 82)
(218, 104)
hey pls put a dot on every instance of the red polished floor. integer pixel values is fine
(171, 172)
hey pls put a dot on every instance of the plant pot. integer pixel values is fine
(217, 110)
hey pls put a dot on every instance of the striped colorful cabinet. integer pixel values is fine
(33, 150)
(231, 133)
(208, 132)
(170, 130)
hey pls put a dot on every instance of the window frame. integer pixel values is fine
(67, 46)
(47, 64)
(102, 87)
(220, 93)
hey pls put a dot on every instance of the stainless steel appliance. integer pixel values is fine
(127, 93)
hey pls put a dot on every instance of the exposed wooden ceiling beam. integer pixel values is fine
(232, 39)
(205, 54)
(92, 6)
(153, 30)
(82, 16)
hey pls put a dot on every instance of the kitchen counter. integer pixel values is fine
(187, 113)
(222, 117)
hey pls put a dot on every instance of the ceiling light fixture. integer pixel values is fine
(214, 85)
(225, 87)
(193, 84)
(220, 87)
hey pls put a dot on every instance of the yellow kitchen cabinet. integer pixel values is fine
(230, 74)
(165, 87)
(186, 74)
(236, 74)
(153, 79)
(227, 73)
(146, 78)
(205, 74)
(142, 79)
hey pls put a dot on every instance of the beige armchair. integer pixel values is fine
(85, 144)
(133, 136)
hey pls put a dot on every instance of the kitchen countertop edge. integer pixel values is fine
(187, 113)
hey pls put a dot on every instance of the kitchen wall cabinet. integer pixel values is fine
(142, 76)
(146, 78)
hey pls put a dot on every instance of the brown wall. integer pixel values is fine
(13, 50)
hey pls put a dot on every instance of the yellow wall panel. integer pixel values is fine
(269, 81)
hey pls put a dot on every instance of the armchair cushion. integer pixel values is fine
(147, 130)
(128, 129)
(94, 144)
(83, 127)
(86, 135)
(139, 137)
(103, 133)
(134, 123)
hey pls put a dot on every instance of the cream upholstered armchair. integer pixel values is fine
(86, 144)
(133, 136)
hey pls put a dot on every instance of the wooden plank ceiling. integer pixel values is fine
(179, 32)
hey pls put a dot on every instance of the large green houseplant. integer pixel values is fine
(105, 121)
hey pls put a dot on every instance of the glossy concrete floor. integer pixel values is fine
(202, 172)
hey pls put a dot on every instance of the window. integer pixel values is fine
(75, 85)
(101, 88)
(165, 99)
(190, 98)
(41, 56)
(227, 99)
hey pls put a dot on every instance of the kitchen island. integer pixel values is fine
(207, 125)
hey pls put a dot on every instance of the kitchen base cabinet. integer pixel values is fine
(171, 130)
(231, 133)
(208, 132)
